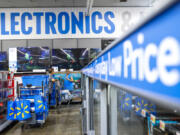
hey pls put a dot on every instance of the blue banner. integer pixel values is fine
(147, 62)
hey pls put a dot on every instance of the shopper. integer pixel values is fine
(51, 82)
(69, 81)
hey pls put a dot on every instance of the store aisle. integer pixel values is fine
(63, 121)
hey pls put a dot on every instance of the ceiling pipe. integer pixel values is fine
(89, 5)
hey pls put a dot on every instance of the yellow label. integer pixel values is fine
(17, 108)
(40, 106)
(137, 109)
(11, 114)
(26, 111)
(22, 115)
(145, 104)
(26, 107)
(39, 101)
(18, 113)
(146, 110)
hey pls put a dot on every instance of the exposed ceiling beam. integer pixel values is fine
(89, 5)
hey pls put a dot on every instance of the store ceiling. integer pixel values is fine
(72, 3)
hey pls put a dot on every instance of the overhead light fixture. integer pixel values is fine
(123, 0)
(33, 0)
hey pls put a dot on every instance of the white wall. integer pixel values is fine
(89, 43)
(6, 44)
(65, 43)
(39, 43)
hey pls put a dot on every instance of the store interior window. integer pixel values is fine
(128, 121)
(135, 115)
(97, 103)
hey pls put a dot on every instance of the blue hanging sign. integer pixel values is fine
(147, 62)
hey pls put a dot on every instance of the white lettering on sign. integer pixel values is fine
(150, 63)
(50, 23)
(137, 57)
(97, 68)
(169, 52)
(151, 74)
(91, 70)
(104, 68)
(127, 49)
(115, 65)
(153, 62)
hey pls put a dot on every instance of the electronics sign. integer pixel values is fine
(50, 23)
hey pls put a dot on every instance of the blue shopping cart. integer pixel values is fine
(31, 105)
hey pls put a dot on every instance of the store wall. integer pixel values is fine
(72, 3)
(39, 43)
(65, 43)
(6, 44)
(56, 43)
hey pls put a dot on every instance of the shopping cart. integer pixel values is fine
(31, 104)
(36, 95)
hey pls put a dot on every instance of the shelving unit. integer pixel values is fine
(6, 92)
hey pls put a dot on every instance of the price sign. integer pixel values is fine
(153, 119)
(162, 125)
(143, 113)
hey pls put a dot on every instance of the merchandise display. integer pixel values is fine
(59, 58)
(32, 58)
(55, 94)
(93, 67)
(94, 53)
(73, 58)
(70, 91)
(31, 104)
(5, 90)
(77, 58)
(42, 58)
(3, 61)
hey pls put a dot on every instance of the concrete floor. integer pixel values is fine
(63, 121)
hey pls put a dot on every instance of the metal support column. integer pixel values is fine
(104, 112)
